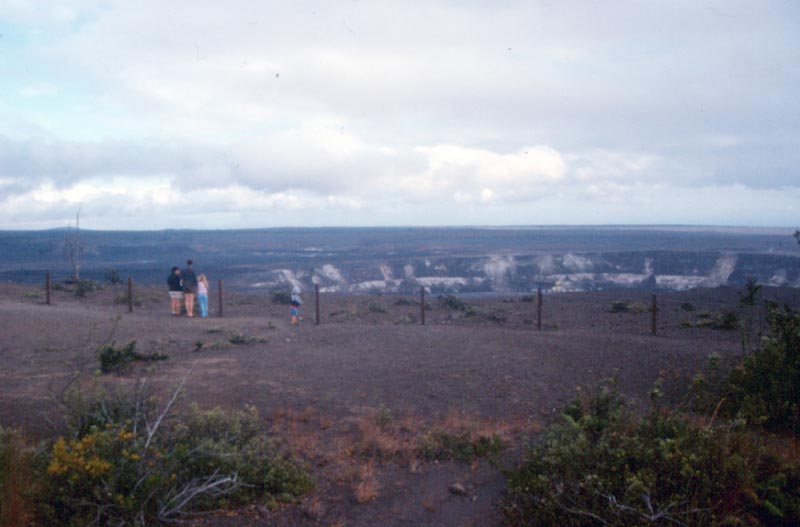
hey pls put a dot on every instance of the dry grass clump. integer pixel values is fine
(368, 487)
(300, 430)
(17, 483)
(379, 434)
(353, 450)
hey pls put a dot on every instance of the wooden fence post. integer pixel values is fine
(539, 309)
(48, 286)
(130, 295)
(422, 305)
(316, 304)
(219, 286)
(653, 318)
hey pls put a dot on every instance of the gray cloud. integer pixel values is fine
(385, 106)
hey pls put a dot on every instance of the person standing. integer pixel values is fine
(175, 290)
(189, 288)
(295, 305)
(202, 294)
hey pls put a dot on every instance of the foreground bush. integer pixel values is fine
(126, 461)
(764, 388)
(17, 483)
(605, 467)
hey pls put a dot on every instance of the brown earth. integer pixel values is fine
(324, 387)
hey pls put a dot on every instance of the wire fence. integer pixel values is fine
(648, 308)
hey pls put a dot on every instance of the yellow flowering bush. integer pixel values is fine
(124, 462)
(91, 469)
(76, 459)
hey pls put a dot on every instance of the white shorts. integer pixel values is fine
(176, 295)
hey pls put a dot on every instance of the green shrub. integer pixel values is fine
(604, 466)
(687, 306)
(111, 276)
(384, 416)
(748, 296)
(83, 287)
(374, 307)
(281, 297)
(724, 320)
(627, 307)
(462, 445)
(131, 463)
(498, 316)
(113, 359)
(241, 339)
(237, 444)
(122, 299)
(620, 307)
(453, 303)
(32, 295)
(765, 388)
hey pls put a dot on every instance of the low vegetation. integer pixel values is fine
(764, 388)
(84, 287)
(80, 288)
(465, 444)
(239, 338)
(111, 275)
(453, 303)
(18, 485)
(33, 295)
(628, 307)
(747, 297)
(127, 460)
(279, 296)
(454, 438)
(724, 320)
(604, 466)
(122, 299)
(119, 360)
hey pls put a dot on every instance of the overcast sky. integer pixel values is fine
(208, 114)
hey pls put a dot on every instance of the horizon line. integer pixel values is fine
(611, 226)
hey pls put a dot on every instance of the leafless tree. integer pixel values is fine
(73, 247)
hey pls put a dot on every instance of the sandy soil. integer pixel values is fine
(321, 386)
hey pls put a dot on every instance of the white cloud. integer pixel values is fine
(421, 112)
(38, 90)
(603, 164)
(474, 173)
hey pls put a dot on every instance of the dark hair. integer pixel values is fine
(174, 268)
(189, 262)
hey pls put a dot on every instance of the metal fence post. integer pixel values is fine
(422, 304)
(316, 304)
(219, 286)
(653, 317)
(539, 309)
(130, 295)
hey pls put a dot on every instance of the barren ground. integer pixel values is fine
(323, 386)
